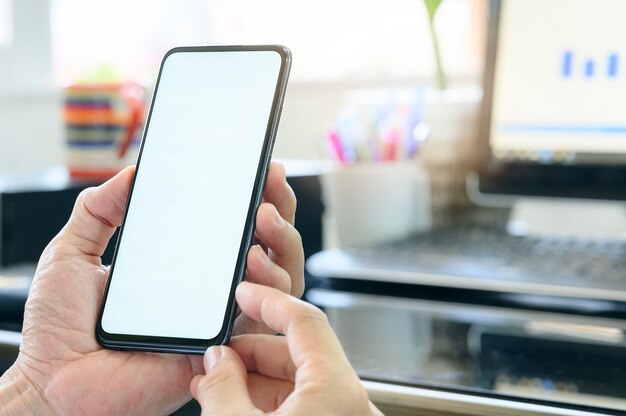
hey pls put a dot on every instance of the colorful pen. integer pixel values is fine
(336, 146)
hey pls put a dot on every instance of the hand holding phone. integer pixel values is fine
(202, 166)
(59, 355)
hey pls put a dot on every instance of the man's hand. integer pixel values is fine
(61, 369)
(305, 372)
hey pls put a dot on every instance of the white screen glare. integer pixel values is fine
(6, 23)
(184, 226)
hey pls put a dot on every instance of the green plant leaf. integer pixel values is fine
(432, 6)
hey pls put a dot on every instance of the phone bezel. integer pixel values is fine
(191, 345)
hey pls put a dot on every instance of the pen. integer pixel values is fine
(391, 144)
(336, 146)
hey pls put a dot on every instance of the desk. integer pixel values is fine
(478, 343)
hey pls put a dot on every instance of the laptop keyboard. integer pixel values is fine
(485, 253)
(552, 258)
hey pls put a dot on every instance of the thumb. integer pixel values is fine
(97, 213)
(224, 388)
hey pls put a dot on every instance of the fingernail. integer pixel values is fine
(242, 289)
(279, 220)
(264, 256)
(243, 286)
(261, 253)
(212, 356)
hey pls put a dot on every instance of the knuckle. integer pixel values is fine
(292, 239)
(283, 282)
(306, 313)
(83, 196)
(291, 198)
(278, 234)
(58, 248)
(216, 377)
(299, 288)
(80, 206)
(297, 238)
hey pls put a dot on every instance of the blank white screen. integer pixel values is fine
(185, 222)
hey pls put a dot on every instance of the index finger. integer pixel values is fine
(310, 338)
(279, 193)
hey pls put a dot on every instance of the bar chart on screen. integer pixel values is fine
(577, 65)
(560, 92)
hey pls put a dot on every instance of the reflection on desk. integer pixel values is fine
(532, 355)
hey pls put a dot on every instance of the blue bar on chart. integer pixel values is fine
(568, 57)
(612, 67)
(589, 68)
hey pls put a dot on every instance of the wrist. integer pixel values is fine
(18, 396)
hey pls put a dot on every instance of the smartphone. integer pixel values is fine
(191, 210)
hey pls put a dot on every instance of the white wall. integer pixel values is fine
(30, 132)
(30, 107)
(309, 109)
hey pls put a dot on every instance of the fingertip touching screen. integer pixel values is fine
(181, 237)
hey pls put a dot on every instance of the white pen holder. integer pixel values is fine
(368, 203)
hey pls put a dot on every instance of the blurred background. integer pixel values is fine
(460, 169)
(337, 47)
